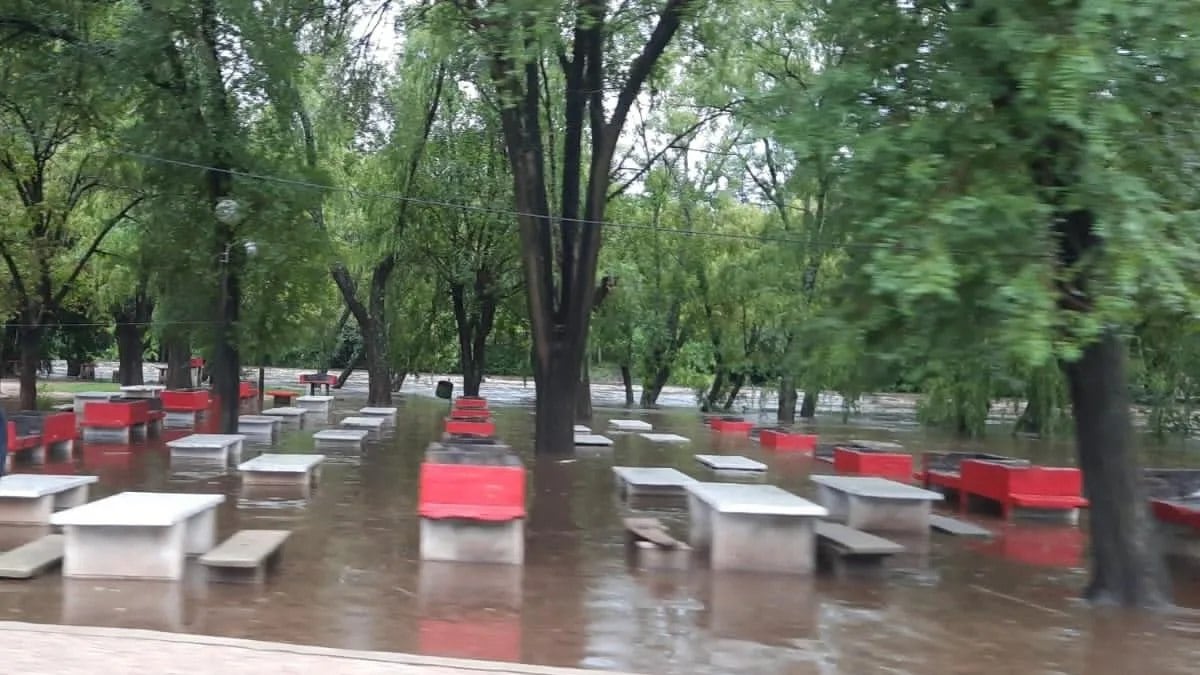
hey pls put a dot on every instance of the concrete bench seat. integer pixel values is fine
(30, 560)
(956, 527)
(630, 425)
(654, 546)
(246, 556)
(844, 547)
(30, 499)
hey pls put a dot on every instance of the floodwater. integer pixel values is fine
(350, 575)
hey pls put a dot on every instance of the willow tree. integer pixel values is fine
(1029, 168)
(560, 239)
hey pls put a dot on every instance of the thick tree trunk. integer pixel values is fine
(347, 371)
(179, 362)
(715, 390)
(29, 340)
(787, 400)
(398, 380)
(653, 387)
(379, 373)
(556, 388)
(227, 371)
(808, 407)
(130, 345)
(735, 388)
(583, 394)
(627, 380)
(1127, 565)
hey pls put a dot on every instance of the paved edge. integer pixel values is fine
(10, 628)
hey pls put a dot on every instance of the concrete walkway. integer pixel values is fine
(42, 649)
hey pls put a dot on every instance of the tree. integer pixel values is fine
(1028, 161)
(560, 247)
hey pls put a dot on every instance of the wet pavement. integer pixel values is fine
(350, 578)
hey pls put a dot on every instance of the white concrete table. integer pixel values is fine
(30, 499)
(872, 503)
(665, 438)
(220, 445)
(82, 398)
(340, 437)
(371, 424)
(141, 535)
(259, 425)
(581, 429)
(655, 481)
(753, 528)
(290, 415)
(317, 404)
(388, 414)
(269, 469)
(630, 425)
(592, 439)
(731, 463)
(142, 390)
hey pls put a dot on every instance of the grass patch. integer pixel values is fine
(74, 387)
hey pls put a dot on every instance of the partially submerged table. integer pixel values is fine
(142, 535)
(372, 424)
(30, 499)
(665, 438)
(340, 437)
(872, 503)
(651, 481)
(732, 464)
(142, 390)
(387, 413)
(290, 415)
(272, 469)
(259, 425)
(753, 528)
(208, 445)
(317, 404)
(630, 425)
(589, 439)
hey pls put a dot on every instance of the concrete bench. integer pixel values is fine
(387, 413)
(592, 440)
(846, 548)
(732, 464)
(259, 425)
(753, 528)
(246, 556)
(651, 481)
(271, 469)
(371, 424)
(654, 546)
(290, 416)
(317, 404)
(630, 425)
(138, 535)
(30, 560)
(665, 438)
(956, 527)
(30, 499)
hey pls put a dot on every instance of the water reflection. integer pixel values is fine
(349, 575)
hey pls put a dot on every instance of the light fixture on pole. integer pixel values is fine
(227, 375)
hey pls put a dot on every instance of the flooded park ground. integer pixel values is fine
(350, 575)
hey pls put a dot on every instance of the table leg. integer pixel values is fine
(763, 543)
(26, 511)
(888, 515)
(200, 532)
(67, 499)
(700, 517)
(129, 552)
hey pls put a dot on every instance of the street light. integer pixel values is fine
(227, 374)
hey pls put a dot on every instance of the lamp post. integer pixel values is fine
(227, 373)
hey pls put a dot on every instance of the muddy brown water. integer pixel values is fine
(350, 576)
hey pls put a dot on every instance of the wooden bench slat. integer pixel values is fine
(651, 530)
(29, 560)
(246, 548)
(850, 541)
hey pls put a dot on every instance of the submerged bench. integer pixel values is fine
(959, 528)
(246, 556)
(29, 560)
(654, 545)
(845, 548)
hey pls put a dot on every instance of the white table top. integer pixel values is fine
(581, 429)
(373, 422)
(102, 395)
(143, 387)
(259, 419)
(370, 410)
(341, 435)
(630, 425)
(286, 412)
(876, 445)
(873, 486)
(730, 463)
(314, 399)
(34, 485)
(138, 509)
(665, 438)
(654, 476)
(268, 463)
(206, 441)
(754, 499)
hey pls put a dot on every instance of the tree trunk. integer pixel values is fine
(715, 390)
(808, 407)
(1127, 566)
(735, 388)
(627, 380)
(787, 400)
(556, 387)
(227, 371)
(583, 394)
(30, 342)
(398, 380)
(654, 386)
(347, 371)
(130, 344)
(179, 362)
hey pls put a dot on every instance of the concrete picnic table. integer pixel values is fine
(142, 390)
(259, 424)
(651, 480)
(282, 469)
(27, 498)
(753, 528)
(208, 445)
(873, 503)
(141, 535)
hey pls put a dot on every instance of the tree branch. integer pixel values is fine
(672, 144)
(87, 255)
